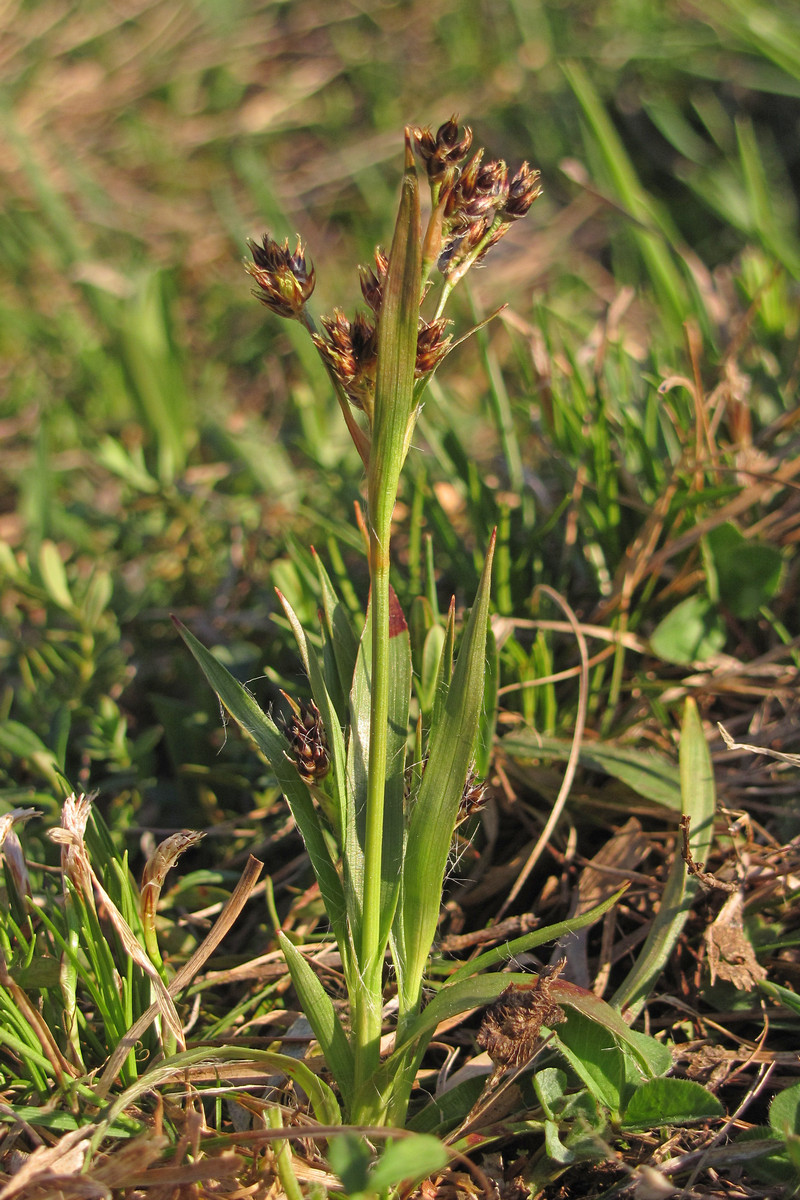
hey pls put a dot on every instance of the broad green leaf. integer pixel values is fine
(550, 1085)
(433, 818)
(784, 1111)
(699, 804)
(745, 574)
(318, 1008)
(670, 1102)
(357, 766)
(265, 733)
(349, 1157)
(692, 632)
(596, 1058)
(646, 772)
(408, 1159)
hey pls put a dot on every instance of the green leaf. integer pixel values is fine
(318, 1008)
(265, 733)
(670, 1102)
(484, 743)
(358, 760)
(550, 1085)
(646, 772)
(433, 818)
(54, 577)
(408, 1159)
(699, 804)
(349, 1157)
(784, 1112)
(340, 638)
(692, 632)
(431, 657)
(746, 574)
(397, 356)
(22, 742)
(527, 941)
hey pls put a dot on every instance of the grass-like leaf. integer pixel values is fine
(318, 1007)
(265, 733)
(434, 812)
(699, 803)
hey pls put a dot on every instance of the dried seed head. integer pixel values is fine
(511, 1025)
(306, 735)
(285, 281)
(442, 151)
(351, 351)
(69, 835)
(11, 847)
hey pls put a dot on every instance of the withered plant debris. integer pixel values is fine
(511, 1026)
(730, 952)
(697, 870)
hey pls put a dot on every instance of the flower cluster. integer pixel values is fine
(350, 348)
(474, 205)
(306, 735)
(285, 281)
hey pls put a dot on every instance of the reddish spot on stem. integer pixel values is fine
(397, 621)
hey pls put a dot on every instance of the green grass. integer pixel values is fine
(628, 424)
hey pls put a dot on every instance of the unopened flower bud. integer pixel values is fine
(441, 152)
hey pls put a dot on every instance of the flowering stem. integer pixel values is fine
(368, 1007)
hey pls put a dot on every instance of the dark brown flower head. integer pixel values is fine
(460, 247)
(473, 798)
(433, 343)
(481, 188)
(443, 151)
(523, 189)
(511, 1026)
(285, 281)
(351, 351)
(372, 282)
(306, 735)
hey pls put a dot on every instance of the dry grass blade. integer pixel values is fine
(50, 1168)
(237, 901)
(572, 763)
(792, 759)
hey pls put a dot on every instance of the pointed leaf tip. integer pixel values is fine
(409, 163)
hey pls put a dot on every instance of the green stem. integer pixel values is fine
(368, 1008)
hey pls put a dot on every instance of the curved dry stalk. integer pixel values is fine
(572, 761)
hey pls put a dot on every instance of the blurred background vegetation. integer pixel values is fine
(167, 445)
